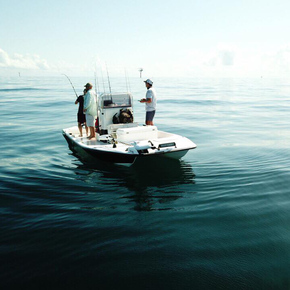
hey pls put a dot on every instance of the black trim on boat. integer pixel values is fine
(111, 157)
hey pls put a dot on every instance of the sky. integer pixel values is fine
(185, 38)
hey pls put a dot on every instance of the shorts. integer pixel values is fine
(81, 118)
(90, 120)
(150, 116)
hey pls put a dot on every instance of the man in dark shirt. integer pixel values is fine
(81, 115)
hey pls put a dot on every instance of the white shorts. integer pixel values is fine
(90, 120)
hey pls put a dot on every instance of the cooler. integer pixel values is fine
(127, 135)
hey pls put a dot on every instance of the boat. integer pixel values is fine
(121, 140)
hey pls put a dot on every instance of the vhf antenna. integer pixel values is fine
(141, 70)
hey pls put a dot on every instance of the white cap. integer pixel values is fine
(148, 81)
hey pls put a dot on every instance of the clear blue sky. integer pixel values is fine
(170, 38)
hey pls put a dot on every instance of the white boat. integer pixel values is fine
(121, 140)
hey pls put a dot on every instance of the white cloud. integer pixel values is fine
(223, 55)
(278, 62)
(224, 60)
(4, 58)
(228, 60)
(226, 57)
(22, 61)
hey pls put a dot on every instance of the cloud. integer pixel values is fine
(226, 57)
(278, 61)
(4, 58)
(229, 60)
(223, 55)
(223, 60)
(22, 61)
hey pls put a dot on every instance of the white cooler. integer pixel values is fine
(127, 135)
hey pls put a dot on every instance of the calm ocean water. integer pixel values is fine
(217, 219)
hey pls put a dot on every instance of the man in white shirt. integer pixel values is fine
(90, 109)
(150, 101)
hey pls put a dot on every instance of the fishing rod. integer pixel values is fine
(96, 81)
(128, 90)
(126, 80)
(109, 80)
(103, 81)
(71, 85)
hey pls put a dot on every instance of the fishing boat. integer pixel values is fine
(121, 140)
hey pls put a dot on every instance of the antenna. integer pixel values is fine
(141, 70)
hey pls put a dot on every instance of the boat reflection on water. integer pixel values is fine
(152, 184)
(158, 183)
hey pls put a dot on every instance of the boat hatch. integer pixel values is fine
(165, 145)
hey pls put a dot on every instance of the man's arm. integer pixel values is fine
(148, 97)
(148, 100)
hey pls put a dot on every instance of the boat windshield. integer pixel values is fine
(116, 101)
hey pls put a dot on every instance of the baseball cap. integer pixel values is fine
(148, 81)
(88, 85)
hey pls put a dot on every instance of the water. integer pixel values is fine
(217, 219)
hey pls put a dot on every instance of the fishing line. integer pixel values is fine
(71, 85)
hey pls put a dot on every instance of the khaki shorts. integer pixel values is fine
(90, 120)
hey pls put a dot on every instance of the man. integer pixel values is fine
(150, 101)
(90, 109)
(81, 115)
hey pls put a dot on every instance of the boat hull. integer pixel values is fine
(100, 154)
(111, 157)
(168, 146)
